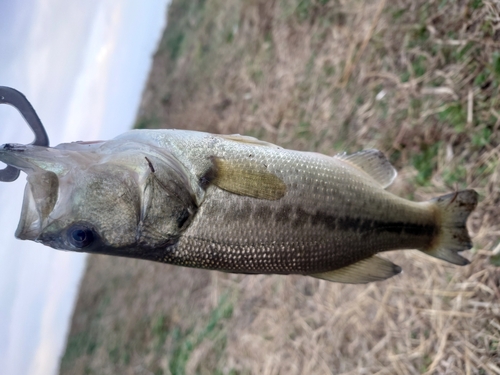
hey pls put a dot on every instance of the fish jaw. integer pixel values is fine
(40, 195)
(44, 167)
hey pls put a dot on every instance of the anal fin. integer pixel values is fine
(448, 255)
(362, 272)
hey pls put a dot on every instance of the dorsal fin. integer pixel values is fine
(248, 140)
(374, 163)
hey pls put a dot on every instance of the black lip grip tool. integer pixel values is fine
(16, 99)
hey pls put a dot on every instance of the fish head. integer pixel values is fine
(128, 201)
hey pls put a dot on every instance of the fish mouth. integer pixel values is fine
(29, 226)
(40, 196)
(42, 166)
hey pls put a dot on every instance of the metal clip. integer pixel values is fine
(17, 100)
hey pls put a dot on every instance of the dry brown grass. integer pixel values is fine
(417, 79)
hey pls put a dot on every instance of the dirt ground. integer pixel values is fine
(418, 80)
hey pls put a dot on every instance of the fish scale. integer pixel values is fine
(226, 222)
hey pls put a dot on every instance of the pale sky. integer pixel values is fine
(83, 66)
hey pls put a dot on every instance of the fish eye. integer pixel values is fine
(80, 236)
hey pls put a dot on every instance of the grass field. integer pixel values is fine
(419, 80)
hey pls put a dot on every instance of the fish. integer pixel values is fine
(232, 203)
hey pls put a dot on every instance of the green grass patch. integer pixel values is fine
(398, 13)
(476, 4)
(495, 260)
(420, 34)
(180, 16)
(460, 53)
(481, 78)
(455, 176)
(305, 9)
(79, 345)
(455, 115)
(147, 123)
(405, 76)
(481, 137)
(174, 43)
(425, 163)
(160, 330)
(256, 75)
(496, 64)
(418, 65)
(86, 342)
(329, 69)
(186, 342)
(304, 130)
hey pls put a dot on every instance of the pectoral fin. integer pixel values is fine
(362, 272)
(374, 163)
(252, 180)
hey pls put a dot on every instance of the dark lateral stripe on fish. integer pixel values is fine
(300, 217)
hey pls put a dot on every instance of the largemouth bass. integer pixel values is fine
(231, 203)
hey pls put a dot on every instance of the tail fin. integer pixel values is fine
(452, 213)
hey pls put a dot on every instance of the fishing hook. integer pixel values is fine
(18, 101)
